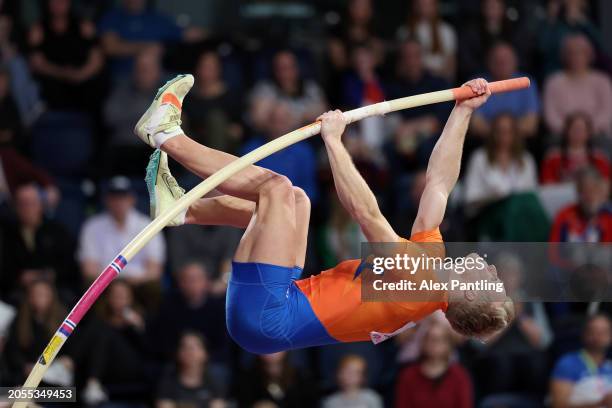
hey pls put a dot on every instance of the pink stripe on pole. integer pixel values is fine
(92, 294)
(67, 328)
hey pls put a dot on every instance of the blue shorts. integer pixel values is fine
(266, 312)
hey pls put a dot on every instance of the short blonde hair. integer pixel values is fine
(479, 318)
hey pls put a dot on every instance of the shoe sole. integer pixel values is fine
(153, 107)
(151, 180)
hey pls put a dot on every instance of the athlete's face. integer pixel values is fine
(475, 269)
(478, 268)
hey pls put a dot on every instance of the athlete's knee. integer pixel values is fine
(278, 186)
(301, 198)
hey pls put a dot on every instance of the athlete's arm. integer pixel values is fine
(353, 191)
(445, 160)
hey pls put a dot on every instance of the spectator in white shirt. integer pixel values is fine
(502, 168)
(103, 236)
(353, 391)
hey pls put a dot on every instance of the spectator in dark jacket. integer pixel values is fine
(35, 247)
(185, 310)
(492, 26)
(10, 123)
(273, 378)
(118, 368)
(66, 58)
(190, 382)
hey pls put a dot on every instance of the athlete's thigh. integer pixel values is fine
(271, 235)
(302, 223)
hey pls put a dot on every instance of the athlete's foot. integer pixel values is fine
(163, 118)
(164, 191)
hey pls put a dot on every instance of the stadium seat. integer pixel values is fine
(510, 400)
(70, 211)
(62, 143)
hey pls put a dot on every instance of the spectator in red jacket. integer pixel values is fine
(16, 171)
(576, 152)
(590, 219)
(435, 381)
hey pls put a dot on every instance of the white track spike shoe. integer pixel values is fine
(163, 118)
(164, 191)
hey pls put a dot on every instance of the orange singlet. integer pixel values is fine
(335, 298)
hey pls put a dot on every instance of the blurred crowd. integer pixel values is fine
(75, 76)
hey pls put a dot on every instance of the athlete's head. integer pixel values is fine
(476, 311)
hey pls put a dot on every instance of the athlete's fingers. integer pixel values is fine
(483, 86)
(487, 89)
(479, 85)
(472, 85)
(324, 115)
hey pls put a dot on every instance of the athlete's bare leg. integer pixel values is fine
(238, 212)
(205, 161)
(272, 233)
(271, 236)
(302, 216)
(221, 210)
